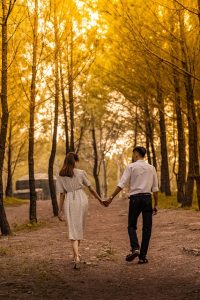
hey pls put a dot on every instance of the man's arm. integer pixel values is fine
(155, 190)
(155, 196)
(123, 181)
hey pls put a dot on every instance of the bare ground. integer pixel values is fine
(36, 264)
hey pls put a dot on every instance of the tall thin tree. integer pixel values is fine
(56, 106)
(33, 196)
(6, 11)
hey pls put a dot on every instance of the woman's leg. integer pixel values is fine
(79, 243)
(75, 246)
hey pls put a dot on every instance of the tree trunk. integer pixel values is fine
(181, 175)
(152, 145)
(71, 88)
(66, 128)
(105, 185)
(147, 142)
(4, 226)
(96, 160)
(55, 129)
(33, 196)
(136, 127)
(199, 10)
(193, 164)
(9, 189)
(149, 133)
(146, 118)
(165, 181)
(80, 139)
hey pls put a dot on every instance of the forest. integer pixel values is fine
(99, 77)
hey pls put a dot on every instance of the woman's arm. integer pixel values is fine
(62, 198)
(94, 193)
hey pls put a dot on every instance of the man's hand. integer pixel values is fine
(155, 210)
(102, 202)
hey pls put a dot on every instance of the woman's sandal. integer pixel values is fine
(143, 261)
(77, 265)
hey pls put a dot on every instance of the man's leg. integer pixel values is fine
(147, 226)
(134, 212)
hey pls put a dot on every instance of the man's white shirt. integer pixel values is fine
(141, 178)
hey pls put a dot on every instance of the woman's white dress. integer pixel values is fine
(76, 202)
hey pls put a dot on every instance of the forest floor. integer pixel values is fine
(36, 262)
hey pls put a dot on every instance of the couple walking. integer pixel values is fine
(142, 180)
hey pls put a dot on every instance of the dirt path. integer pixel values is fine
(37, 264)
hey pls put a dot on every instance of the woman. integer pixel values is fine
(73, 199)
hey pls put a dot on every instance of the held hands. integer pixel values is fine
(106, 202)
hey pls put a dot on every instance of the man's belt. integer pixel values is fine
(141, 194)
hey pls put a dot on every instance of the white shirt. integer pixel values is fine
(141, 177)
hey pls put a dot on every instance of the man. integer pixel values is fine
(142, 180)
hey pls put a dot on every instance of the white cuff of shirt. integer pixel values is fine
(155, 189)
(121, 185)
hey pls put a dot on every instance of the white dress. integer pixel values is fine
(75, 203)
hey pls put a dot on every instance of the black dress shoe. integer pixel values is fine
(132, 255)
(143, 261)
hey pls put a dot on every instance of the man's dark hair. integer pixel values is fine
(141, 150)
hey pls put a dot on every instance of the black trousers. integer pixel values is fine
(140, 203)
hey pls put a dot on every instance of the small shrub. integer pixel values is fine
(4, 251)
(14, 201)
(29, 226)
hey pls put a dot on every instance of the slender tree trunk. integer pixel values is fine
(146, 118)
(199, 10)
(149, 132)
(181, 175)
(33, 196)
(105, 184)
(151, 135)
(4, 226)
(147, 142)
(193, 165)
(66, 128)
(136, 127)
(165, 181)
(71, 89)
(9, 189)
(55, 129)
(80, 139)
(96, 160)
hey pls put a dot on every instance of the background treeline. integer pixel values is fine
(99, 77)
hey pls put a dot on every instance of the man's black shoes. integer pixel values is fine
(143, 261)
(130, 257)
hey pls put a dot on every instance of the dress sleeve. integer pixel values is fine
(86, 181)
(59, 185)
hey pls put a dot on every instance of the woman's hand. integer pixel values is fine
(60, 216)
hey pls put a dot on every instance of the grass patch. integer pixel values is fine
(4, 251)
(14, 201)
(106, 252)
(170, 202)
(29, 226)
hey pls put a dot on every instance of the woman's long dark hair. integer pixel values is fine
(69, 165)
